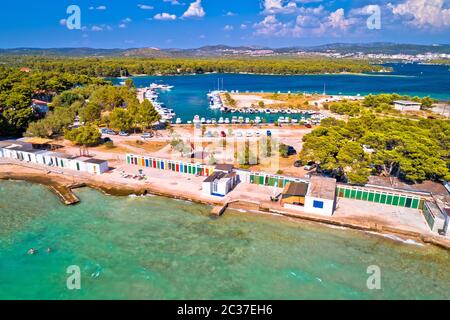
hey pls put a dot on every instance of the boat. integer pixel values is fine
(267, 111)
(196, 120)
(220, 120)
(155, 86)
(178, 121)
(247, 120)
(227, 121)
(203, 120)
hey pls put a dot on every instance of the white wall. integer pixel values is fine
(406, 108)
(206, 188)
(328, 206)
(104, 167)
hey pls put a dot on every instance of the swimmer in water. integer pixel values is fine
(32, 251)
(49, 250)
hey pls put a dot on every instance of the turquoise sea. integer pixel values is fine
(157, 248)
(188, 98)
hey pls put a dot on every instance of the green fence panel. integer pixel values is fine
(396, 200)
(415, 204)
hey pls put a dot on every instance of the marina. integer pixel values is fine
(188, 97)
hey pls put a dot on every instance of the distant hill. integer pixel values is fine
(223, 50)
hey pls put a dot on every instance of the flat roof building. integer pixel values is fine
(220, 183)
(404, 106)
(321, 196)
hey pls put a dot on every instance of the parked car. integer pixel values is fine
(123, 134)
(239, 134)
(249, 134)
(104, 130)
(298, 164)
(308, 126)
(257, 134)
(223, 134)
(147, 135)
(269, 133)
(111, 132)
(309, 167)
(105, 140)
(291, 151)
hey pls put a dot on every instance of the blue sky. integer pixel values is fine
(193, 23)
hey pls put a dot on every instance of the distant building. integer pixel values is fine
(405, 106)
(39, 106)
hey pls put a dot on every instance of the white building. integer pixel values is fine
(221, 182)
(405, 106)
(25, 152)
(96, 166)
(321, 196)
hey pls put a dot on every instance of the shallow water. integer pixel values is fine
(188, 98)
(157, 248)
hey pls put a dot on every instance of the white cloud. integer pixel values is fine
(145, 7)
(101, 27)
(228, 28)
(309, 21)
(102, 8)
(63, 22)
(165, 16)
(122, 25)
(423, 13)
(230, 14)
(195, 10)
(270, 26)
(243, 26)
(337, 20)
(173, 2)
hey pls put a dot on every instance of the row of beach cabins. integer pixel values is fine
(314, 195)
(25, 152)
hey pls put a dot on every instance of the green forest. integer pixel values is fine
(115, 67)
(93, 100)
(351, 151)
